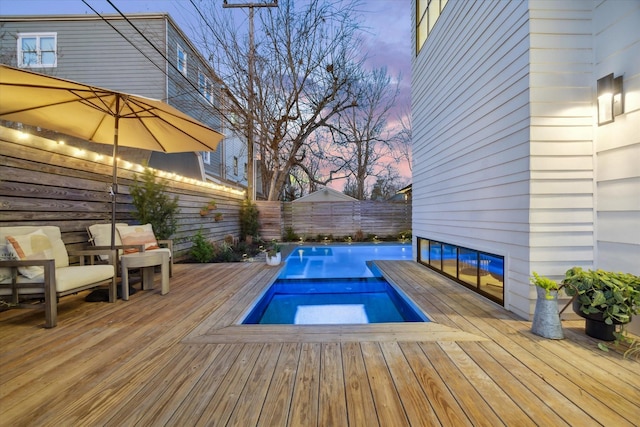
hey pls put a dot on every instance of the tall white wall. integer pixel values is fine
(561, 84)
(471, 123)
(616, 26)
(508, 157)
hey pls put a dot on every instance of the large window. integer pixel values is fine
(480, 271)
(182, 60)
(205, 87)
(37, 50)
(427, 13)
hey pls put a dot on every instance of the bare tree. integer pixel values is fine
(403, 145)
(307, 65)
(361, 136)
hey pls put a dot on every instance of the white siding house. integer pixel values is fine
(508, 155)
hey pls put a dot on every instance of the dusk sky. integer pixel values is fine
(387, 26)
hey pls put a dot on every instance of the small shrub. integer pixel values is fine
(249, 219)
(290, 235)
(153, 206)
(202, 250)
(358, 236)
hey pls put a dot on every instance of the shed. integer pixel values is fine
(326, 194)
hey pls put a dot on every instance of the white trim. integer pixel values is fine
(38, 36)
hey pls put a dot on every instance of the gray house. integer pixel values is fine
(144, 54)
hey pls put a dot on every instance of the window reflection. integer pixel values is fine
(480, 271)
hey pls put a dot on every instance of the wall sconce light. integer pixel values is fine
(610, 99)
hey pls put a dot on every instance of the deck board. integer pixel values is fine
(183, 359)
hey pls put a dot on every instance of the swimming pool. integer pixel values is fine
(335, 285)
(340, 261)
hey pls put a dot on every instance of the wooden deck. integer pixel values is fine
(182, 360)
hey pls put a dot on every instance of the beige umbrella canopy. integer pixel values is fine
(100, 115)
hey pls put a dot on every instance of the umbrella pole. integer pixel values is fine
(114, 187)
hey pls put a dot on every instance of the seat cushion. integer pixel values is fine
(67, 278)
(138, 235)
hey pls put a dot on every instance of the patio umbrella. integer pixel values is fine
(100, 115)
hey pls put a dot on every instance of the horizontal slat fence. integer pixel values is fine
(45, 183)
(340, 219)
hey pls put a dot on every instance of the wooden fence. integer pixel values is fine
(46, 183)
(311, 220)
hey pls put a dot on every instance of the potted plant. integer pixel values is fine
(605, 299)
(274, 255)
(546, 318)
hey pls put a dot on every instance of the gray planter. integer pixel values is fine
(546, 319)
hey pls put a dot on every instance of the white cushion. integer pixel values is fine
(67, 278)
(101, 235)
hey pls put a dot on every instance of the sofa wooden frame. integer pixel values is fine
(49, 293)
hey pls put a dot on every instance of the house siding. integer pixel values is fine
(85, 44)
(617, 147)
(471, 142)
(508, 156)
(183, 91)
(562, 221)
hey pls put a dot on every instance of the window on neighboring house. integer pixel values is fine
(245, 171)
(235, 166)
(205, 87)
(427, 13)
(182, 60)
(37, 50)
(206, 157)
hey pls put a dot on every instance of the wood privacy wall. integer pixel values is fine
(43, 182)
(346, 218)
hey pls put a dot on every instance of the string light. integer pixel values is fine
(82, 153)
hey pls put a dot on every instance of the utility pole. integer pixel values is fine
(251, 174)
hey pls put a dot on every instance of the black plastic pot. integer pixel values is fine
(595, 326)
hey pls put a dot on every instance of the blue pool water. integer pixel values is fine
(335, 285)
(340, 261)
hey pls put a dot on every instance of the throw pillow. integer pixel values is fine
(35, 245)
(138, 235)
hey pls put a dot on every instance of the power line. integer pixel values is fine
(159, 51)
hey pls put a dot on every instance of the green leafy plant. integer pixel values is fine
(615, 295)
(272, 249)
(249, 219)
(201, 250)
(153, 205)
(545, 283)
